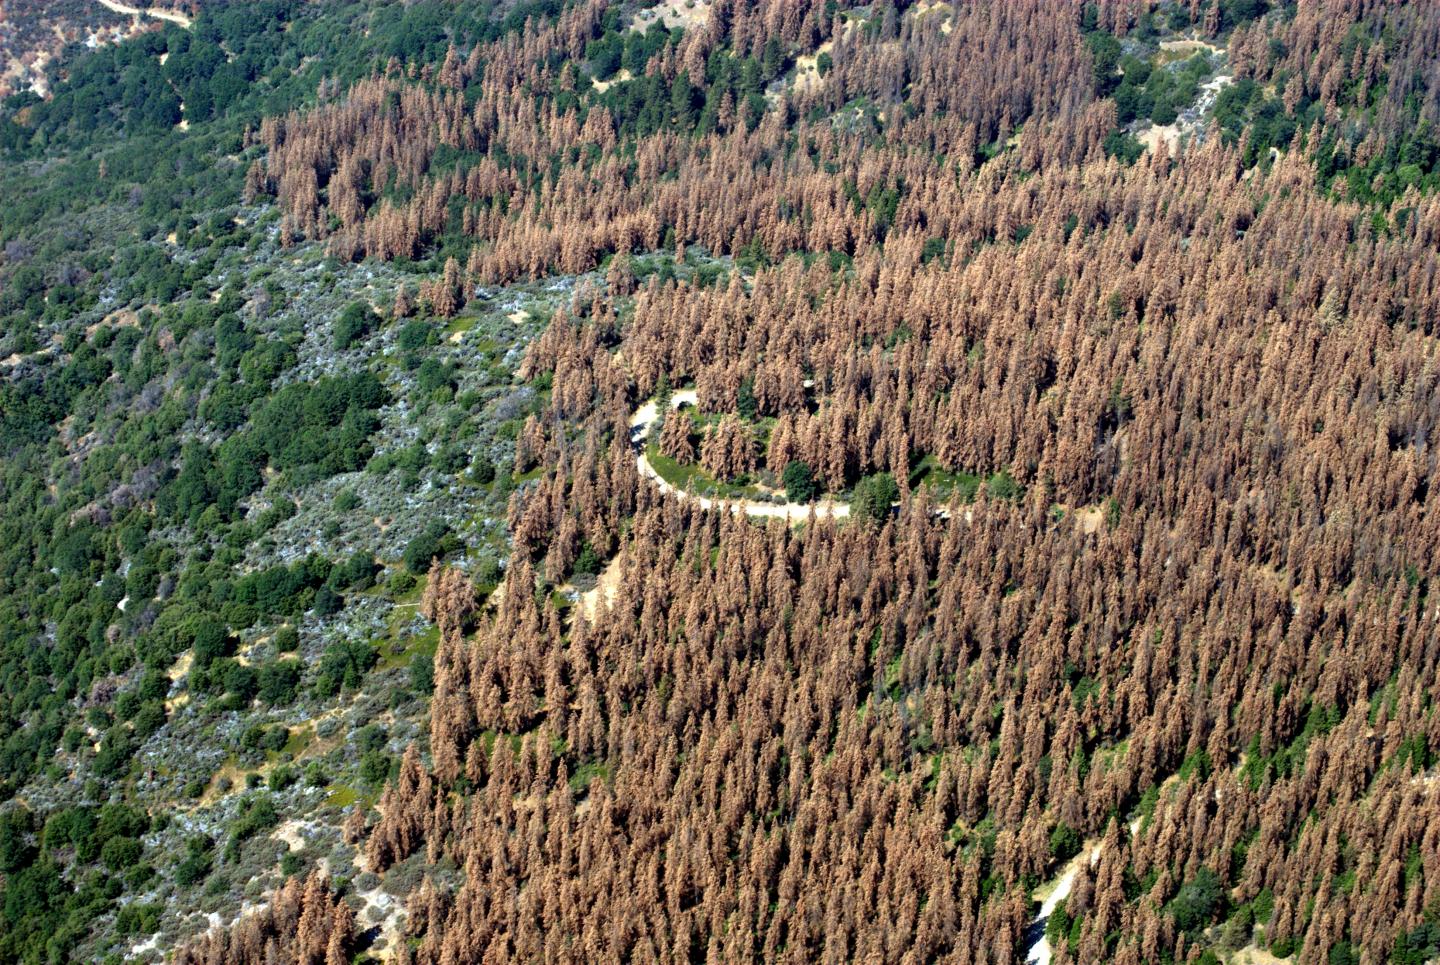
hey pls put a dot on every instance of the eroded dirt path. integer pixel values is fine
(600, 595)
(1037, 946)
(156, 13)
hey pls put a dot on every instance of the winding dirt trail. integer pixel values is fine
(156, 13)
(640, 423)
(792, 512)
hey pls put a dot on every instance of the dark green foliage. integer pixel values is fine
(241, 682)
(253, 737)
(282, 590)
(450, 459)
(605, 55)
(873, 497)
(1104, 57)
(434, 541)
(326, 423)
(1244, 111)
(799, 482)
(422, 674)
(432, 375)
(16, 851)
(587, 563)
(1198, 902)
(1283, 947)
(1417, 946)
(149, 719)
(138, 919)
(1287, 759)
(1264, 905)
(682, 101)
(1196, 765)
(371, 737)
(343, 664)
(43, 916)
(1002, 486)
(1123, 147)
(1343, 953)
(416, 335)
(747, 405)
(1235, 13)
(375, 768)
(120, 853)
(116, 753)
(328, 602)
(1065, 842)
(321, 427)
(279, 682)
(357, 572)
(482, 471)
(287, 639)
(1159, 93)
(1063, 929)
(1409, 160)
(257, 813)
(355, 322)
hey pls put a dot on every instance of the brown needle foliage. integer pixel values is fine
(1199, 633)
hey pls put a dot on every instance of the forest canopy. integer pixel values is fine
(969, 451)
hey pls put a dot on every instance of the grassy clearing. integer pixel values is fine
(420, 644)
(342, 797)
(300, 738)
(944, 482)
(695, 479)
(461, 324)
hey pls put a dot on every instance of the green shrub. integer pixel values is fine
(433, 542)
(374, 768)
(120, 853)
(279, 682)
(1065, 842)
(799, 482)
(422, 674)
(873, 497)
(1197, 902)
(354, 323)
(344, 664)
(587, 563)
(287, 639)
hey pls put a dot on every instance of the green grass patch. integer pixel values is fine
(342, 797)
(944, 482)
(422, 644)
(300, 739)
(695, 479)
(461, 323)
